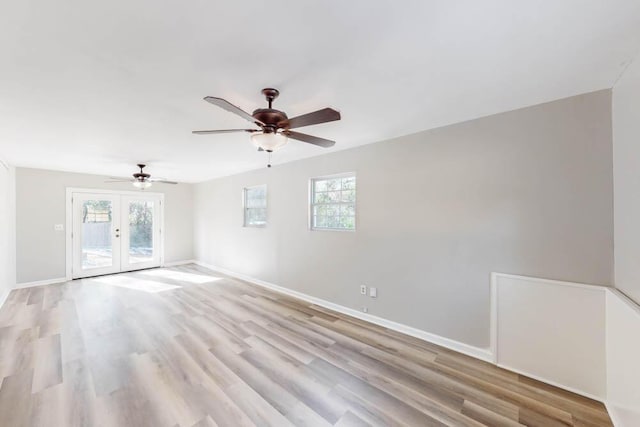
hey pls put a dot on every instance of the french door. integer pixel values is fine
(115, 232)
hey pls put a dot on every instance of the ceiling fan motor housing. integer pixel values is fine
(273, 119)
(141, 176)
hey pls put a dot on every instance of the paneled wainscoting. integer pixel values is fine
(186, 346)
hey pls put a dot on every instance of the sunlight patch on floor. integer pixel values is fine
(180, 276)
(150, 286)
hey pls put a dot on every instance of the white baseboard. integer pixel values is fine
(623, 417)
(176, 263)
(64, 279)
(613, 414)
(40, 283)
(551, 382)
(476, 352)
(479, 353)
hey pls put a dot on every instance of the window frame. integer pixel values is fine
(245, 208)
(311, 203)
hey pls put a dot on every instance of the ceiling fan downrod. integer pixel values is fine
(270, 94)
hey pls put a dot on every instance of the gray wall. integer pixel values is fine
(41, 203)
(526, 192)
(626, 157)
(7, 229)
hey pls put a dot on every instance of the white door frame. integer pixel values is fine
(69, 220)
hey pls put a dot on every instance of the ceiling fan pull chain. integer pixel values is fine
(269, 164)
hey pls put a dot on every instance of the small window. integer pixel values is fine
(333, 202)
(255, 206)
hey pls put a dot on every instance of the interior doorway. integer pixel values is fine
(112, 232)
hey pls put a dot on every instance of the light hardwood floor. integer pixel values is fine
(189, 347)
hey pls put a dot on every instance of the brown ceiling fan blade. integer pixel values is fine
(211, 132)
(222, 103)
(161, 180)
(321, 116)
(310, 139)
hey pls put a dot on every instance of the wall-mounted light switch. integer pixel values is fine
(373, 292)
(58, 227)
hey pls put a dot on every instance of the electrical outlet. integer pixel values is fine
(365, 310)
(363, 289)
(58, 227)
(373, 292)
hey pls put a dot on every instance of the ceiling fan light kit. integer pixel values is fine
(142, 184)
(269, 141)
(275, 126)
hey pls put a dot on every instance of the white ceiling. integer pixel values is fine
(97, 86)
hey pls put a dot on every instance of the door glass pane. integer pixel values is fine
(140, 231)
(96, 234)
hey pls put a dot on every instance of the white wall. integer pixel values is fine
(526, 192)
(7, 229)
(623, 315)
(41, 203)
(566, 345)
(623, 356)
(626, 158)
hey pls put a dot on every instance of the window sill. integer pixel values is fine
(341, 230)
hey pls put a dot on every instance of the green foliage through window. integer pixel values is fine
(141, 224)
(333, 203)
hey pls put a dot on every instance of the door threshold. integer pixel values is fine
(120, 272)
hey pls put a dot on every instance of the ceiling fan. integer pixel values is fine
(141, 179)
(275, 126)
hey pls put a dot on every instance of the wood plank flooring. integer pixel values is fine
(189, 347)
